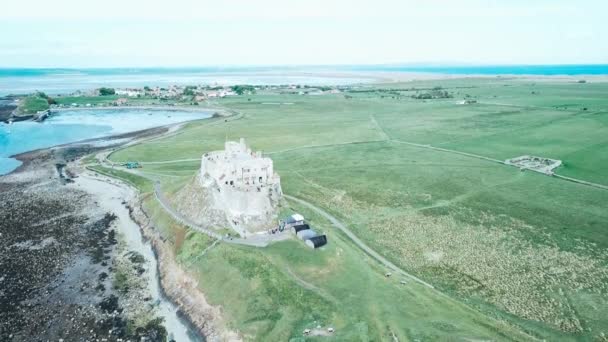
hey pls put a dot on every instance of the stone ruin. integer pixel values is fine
(235, 188)
(538, 164)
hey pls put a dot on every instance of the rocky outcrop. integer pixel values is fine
(196, 203)
(210, 205)
(7, 107)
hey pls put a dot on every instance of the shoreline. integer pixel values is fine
(70, 271)
(38, 162)
(176, 284)
(220, 111)
(107, 141)
(118, 197)
(33, 171)
(389, 77)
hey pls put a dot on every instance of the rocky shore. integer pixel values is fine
(7, 106)
(65, 273)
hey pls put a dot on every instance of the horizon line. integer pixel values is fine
(232, 66)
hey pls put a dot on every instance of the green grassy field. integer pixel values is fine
(32, 104)
(276, 293)
(108, 100)
(141, 183)
(519, 247)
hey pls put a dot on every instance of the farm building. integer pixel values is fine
(309, 236)
(316, 241)
(293, 220)
(306, 234)
(300, 227)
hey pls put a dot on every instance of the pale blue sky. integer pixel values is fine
(121, 33)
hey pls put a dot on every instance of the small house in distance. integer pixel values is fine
(316, 241)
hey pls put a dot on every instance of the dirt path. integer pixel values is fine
(379, 127)
(358, 241)
(570, 179)
(449, 151)
(580, 181)
(171, 161)
(326, 145)
(310, 286)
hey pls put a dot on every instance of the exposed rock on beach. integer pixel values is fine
(61, 251)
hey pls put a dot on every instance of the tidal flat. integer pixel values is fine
(72, 268)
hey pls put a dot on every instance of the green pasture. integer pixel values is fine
(520, 247)
(141, 183)
(276, 293)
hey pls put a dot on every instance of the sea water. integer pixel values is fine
(71, 126)
(538, 70)
(62, 81)
(65, 81)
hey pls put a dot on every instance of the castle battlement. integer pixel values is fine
(239, 167)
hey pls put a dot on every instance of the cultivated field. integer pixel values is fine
(526, 251)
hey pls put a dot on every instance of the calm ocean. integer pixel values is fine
(62, 81)
(71, 126)
(54, 81)
(547, 70)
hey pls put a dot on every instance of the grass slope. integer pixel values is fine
(32, 104)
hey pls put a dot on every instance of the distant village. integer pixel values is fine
(188, 94)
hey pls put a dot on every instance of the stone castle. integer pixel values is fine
(239, 167)
(243, 185)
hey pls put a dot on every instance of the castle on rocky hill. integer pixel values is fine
(243, 184)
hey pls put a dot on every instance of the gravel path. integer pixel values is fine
(357, 241)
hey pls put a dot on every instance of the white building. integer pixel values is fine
(129, 92)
